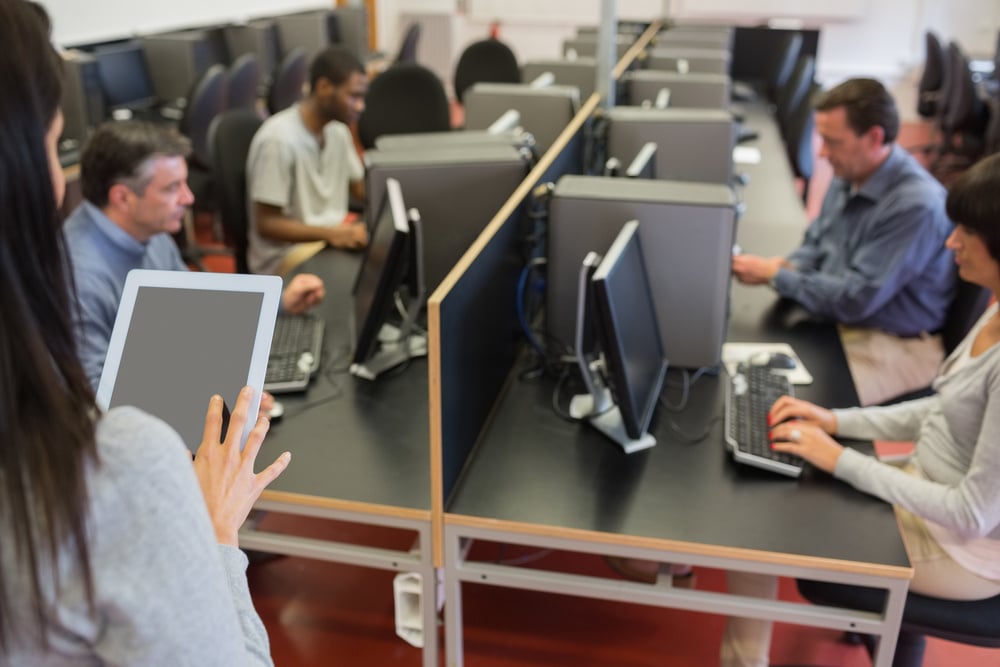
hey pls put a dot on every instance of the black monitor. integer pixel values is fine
(644, 164)
(626, 379)
(389, 290)
(125, 77)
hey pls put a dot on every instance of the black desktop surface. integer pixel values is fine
(534, 467)
(351, 439)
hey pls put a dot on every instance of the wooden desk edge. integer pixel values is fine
(322, 502)
(694, 548)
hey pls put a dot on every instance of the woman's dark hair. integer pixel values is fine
(974, 202)
(47, 410)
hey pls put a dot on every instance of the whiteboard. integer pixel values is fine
(574, 12)
(82, 21)
(740, 11)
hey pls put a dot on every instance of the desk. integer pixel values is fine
(537, 480)
(359, 452)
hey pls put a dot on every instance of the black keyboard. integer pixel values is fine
(295, 352)
(752, 392)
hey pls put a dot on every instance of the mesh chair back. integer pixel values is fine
(207, 100)
(932, 78)
(408, 47)
(230, 136)
(241, 83)
(288, 80)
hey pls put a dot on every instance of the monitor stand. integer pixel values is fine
(394, 349)
(607, 419)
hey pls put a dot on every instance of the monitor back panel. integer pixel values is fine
(692, 60)
(83, 98)
(352, 23)
(586, 46)
(687, 233)
(177, 60)
(457, 191)
(696, 36)
(310, 30)
(259, 37)
(545, 112)
(703, 91)
(691, 144)
(581, 73)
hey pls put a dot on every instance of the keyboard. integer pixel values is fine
(751, 393)
(295, 352)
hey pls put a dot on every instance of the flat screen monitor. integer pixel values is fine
(125, 77)
(616, 305)
(644, 164)
(389, 289)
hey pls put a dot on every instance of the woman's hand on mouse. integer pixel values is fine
(786, 408)
(225, 474)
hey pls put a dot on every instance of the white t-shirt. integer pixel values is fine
(286, 167)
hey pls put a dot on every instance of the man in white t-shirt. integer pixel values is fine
(303, 166)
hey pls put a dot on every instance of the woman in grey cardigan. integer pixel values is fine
(116, 548)
(947, 499)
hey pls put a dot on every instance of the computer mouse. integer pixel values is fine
(781, 361)
(277, 411)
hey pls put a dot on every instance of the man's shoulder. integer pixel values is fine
(914, 182)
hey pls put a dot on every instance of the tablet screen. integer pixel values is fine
(179, 346)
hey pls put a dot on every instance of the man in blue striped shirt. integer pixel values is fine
(874, 259)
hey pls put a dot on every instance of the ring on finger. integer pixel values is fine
(795, 435)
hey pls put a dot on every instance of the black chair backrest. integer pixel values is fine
(781, 69)
(207, 100)
(288, 80)
(795, 89)
(964, 110)
(932, 78)
(992, 143)
(799, 135)
(403, 99)
(241, 83)
(967, 305)
(230, 136)
(408, 46)
(489, 61)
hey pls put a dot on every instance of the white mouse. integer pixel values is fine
(277, 410)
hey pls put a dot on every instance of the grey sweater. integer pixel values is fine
(166, 592)
(957, 435)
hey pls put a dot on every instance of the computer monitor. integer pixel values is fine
(693, 90)
(177, 60)
(125, 77)
(391, 273)
(644, 164)
(545, 112)
(626, 379)
(312, 30)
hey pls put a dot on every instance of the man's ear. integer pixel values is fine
(118, 196)
(875, 135)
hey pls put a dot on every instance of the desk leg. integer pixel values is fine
(885, 649)
(452, 599)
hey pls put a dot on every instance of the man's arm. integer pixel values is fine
(274, 225)
(896, 250)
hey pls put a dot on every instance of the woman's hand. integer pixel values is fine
(808, 440)
(786, 408)
(226, 474)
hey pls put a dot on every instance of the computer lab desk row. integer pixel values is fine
(537, 480)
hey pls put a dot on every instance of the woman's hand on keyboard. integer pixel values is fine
(807, 440)
(786, 408)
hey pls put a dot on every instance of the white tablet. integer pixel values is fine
(181, 337)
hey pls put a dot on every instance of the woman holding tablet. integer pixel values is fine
(116, 548)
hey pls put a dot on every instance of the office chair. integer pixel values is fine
(784, 62)
(932, 78)
(206, 101)
(405, 98)
(798, 137)
(242, 80)
(967, 622)
(288, 81)
(794, 90)
(991, 143)
(489, 61)
(962, 120)
(408, 46)
(229, 136)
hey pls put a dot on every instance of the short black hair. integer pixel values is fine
(974, 202)
(118, 152)
(335, 64)
(867, 104)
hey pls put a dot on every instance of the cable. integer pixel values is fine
(522, 282)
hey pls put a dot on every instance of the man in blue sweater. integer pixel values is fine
(874, 260)
(134, 181)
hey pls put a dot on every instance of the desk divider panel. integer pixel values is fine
(473, 330)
